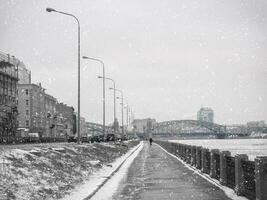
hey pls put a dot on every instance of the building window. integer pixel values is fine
(26, 91)
(27, 112)
(27, 102)
(27, 123)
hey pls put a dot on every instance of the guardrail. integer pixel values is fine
(247, 178)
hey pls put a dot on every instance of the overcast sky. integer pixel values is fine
(169, 57)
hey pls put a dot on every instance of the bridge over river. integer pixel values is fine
(193, 128)
(184, 128)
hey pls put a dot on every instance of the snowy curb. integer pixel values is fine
(229, 192)
(110, 188)
(90, 187)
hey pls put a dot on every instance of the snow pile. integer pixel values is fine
(53, 170)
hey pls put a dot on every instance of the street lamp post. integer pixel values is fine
(114, 96)
(120, 91)
(130, 118)
(127, 114)
(132, 115)
(104, 93)
(79, 61)
(127, 111)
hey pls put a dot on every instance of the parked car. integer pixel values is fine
(85, 139)
(95, 138)
(101, 138)
(124, 137)
(110, 137)
(72, 139)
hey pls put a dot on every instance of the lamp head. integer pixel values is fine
(111, 88)
(99, 76)
(85, 57)
(50, 10)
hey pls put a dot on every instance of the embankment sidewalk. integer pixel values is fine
(155, 174)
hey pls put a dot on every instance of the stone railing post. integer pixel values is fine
(186, 152)
(223, 177)
(171, 147)
(193, 155)
(183, 152)
(175, 149)
(261, 177)
(188, 156)
(198, 157)
(203, 160)
(239, 177)
(213, 162)
(179, 150)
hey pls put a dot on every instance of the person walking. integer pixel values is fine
(150, 141)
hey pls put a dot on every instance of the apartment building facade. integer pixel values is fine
(65, 115)
(31, 107)
(8, 95)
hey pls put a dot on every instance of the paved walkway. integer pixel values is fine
(156, 175)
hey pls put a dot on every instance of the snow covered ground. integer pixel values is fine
(52, 171)
(251, 147)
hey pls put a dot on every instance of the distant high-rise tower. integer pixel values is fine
(205, 114)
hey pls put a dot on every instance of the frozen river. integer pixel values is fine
(251, 147)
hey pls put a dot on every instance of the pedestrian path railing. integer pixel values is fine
(230, 172)
(246, 178)
(248, 168)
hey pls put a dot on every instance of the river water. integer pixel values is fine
(251, 147)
